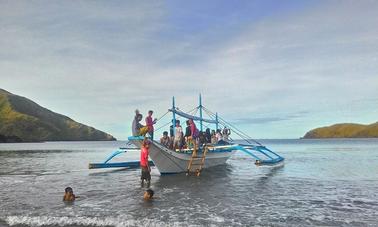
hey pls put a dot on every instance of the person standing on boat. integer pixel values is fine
(219, 136)
(208, 135)
(213, 137)
(178, 136)
(226, 133)
(171, 136)
(150, 124)
(144, 165)
(194, 132)
(188, 134)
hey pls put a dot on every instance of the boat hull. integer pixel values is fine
(168, 161)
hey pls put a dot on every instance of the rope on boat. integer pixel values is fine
(242, 135)
(162, 116)
(196, 109)
(162, 126)
(223, 122)
(192, 110)
(237, 131)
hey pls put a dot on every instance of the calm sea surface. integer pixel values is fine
(322, 183)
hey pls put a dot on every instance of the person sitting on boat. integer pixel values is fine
(218, 135)
(213, 137)
(208, 135)
(178, 136)
(188, 134)
(226, 133)
(165, 140)
(144, 164)
(171, 135)
(137, 128)
(137, 112)
(69, 196)
(201, 139)
(183, 142)
(150, 124)
(194, 132)
(135, 125)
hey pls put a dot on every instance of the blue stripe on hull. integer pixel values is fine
(130, 164)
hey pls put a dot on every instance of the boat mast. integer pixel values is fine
(200, 110)
(216, 119)
(174, 115)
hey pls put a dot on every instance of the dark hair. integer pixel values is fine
(165, 133)
(68, 189)
(187, 122)
(150, 111)
(150, 192)
(177, 121)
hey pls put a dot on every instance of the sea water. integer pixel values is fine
(322, 183)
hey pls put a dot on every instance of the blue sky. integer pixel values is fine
(274, 68)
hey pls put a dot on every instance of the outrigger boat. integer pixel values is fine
(194, 160)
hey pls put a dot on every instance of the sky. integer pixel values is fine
(275, 69)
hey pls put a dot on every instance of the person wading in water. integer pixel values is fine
(144, 165)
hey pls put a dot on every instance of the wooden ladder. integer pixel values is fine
(197, 162)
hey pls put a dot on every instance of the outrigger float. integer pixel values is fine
(194, 160)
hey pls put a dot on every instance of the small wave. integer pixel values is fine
(216, 218)
(84, 221)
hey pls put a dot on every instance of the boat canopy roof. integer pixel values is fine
(188, 116)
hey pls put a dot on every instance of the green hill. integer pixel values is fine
(22, 120)
(346, 130)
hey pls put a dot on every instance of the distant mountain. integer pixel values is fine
(346, 130)
(22, 120)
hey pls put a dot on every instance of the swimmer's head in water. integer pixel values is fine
(68, 195)
(68, 190)
(148, 194)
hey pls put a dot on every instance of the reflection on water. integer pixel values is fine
(326, 183)
(268, 173)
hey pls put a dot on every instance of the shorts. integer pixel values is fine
(143, 131)
(177, 142)
(145, 174)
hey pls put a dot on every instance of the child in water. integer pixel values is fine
(148, 194)
(68, 195)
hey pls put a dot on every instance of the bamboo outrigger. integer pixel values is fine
(195, 159)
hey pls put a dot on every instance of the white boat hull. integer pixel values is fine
(168, 161)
